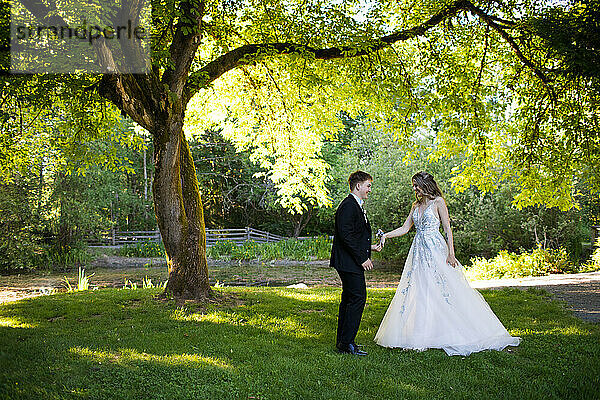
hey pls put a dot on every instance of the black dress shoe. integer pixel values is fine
(351, 349)
(341, 346)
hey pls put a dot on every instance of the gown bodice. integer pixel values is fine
(427, 222)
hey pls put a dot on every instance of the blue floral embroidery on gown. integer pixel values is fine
(428, 229)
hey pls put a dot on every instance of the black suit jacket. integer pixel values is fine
(352, 237)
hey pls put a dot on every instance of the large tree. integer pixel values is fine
(196, 42)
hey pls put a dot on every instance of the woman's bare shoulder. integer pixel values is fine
(439, 204)
(439, 200)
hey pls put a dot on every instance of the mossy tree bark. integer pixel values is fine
(179, 213)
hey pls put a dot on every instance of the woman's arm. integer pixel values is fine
(445, 219)
(403, 230)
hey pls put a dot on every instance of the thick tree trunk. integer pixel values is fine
(179, 212)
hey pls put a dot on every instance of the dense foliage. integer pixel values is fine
(73, 205)
(535, 263)
(483, 222)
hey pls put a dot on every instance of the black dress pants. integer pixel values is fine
(354, 297)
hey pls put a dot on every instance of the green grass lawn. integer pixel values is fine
(275, 343)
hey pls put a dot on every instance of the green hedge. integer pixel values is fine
(291, 249)
(535, 263)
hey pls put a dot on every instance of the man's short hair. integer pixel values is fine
(357, 177)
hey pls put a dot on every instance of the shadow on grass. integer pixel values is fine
(278, 343)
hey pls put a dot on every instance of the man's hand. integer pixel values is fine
(367, 265)
(376, 247)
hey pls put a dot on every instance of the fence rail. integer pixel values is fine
(237, 235)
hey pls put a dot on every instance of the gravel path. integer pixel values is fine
(581, 292)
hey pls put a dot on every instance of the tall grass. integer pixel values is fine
(318, 248)
(290, 249)
(83, 282)
(142, 249)
(62, 258)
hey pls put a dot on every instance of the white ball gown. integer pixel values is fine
(434, 305)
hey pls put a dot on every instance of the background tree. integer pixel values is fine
(484, 222)
(412, 64)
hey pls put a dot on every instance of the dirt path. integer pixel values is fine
(581, 292)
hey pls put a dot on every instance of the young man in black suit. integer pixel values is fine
(351, 257)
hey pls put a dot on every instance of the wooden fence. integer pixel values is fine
(237, 236)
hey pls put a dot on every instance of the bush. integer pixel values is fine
(18, 242)
(17, 252)
(62, 258)
(535, 263)
(143, 249)
(596, 255)
(594, 263)
(291, 249)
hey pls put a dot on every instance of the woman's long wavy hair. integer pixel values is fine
(428, 185)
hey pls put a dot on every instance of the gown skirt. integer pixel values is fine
(434, 305)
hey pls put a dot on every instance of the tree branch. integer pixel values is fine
(132, 94)
(44, 13)
(492, 23)
(183, 48)
(245, 54)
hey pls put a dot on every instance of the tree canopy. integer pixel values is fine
(512, 86)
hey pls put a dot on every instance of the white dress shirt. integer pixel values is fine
(360, 202)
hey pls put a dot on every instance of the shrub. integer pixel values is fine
(18, 242)
(291, 249)
(510, 265)
(143, 249)
(83, 282)
(594, 263)
(596, 255)
(17, 253)
(62, 258)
